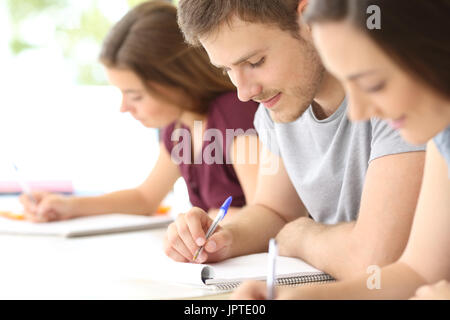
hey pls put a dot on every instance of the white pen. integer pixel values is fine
(271, 272)
(24, 185)
(222, 212)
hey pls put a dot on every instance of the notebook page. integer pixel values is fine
(242, 268)
(167, 270)
(254, 267)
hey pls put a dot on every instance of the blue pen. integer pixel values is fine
(222, 212)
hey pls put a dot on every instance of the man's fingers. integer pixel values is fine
(197, 221)
(218, 241)
(188, 233)
(174, 255)
(175, 242)
(185, 234)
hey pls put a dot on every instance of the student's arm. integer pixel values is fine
(246, 231)
(398, 281)
(427, 251)
(245, 156)
(143, 199)
(380, 233)
(425, 260)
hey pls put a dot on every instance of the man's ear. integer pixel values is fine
(301, 6)
(305, 29)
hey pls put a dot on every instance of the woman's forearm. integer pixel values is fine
(130, 201)
(396, 281)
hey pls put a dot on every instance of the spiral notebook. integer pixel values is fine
(229, 274)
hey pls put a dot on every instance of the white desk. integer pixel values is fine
(114, 266)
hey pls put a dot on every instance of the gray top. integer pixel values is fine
(327, 160)
(442, 141)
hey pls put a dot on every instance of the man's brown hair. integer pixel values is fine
(198, 18)
(148, 42)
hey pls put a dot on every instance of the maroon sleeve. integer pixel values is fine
(165, 135)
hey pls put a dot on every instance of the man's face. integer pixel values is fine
(267, 65)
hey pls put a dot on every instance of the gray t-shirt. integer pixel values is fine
(442, 141)
(327, 160)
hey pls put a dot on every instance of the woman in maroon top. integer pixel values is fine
(168, 85)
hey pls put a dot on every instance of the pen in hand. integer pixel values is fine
(222, 212)
(24, 185)
(271, 272)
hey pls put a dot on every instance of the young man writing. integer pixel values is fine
(341, 174)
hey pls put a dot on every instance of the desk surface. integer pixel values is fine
(114, 266)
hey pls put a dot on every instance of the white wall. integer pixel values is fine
(56, 130)
(74, 133)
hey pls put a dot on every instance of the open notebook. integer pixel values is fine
(86, 226)
(229, 274)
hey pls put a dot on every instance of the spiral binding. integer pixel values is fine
(288, 281)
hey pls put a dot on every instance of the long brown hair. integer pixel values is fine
(148, 41)
(415, 33)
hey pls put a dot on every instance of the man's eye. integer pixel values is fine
(257, 64)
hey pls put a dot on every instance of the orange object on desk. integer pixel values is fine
(12, 215)
(162, 210)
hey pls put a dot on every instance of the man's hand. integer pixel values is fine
(289, 238)
(184, 237)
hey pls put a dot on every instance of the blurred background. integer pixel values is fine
(59, 118)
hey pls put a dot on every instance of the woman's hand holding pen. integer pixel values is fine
(48, 207)
(184, 237)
